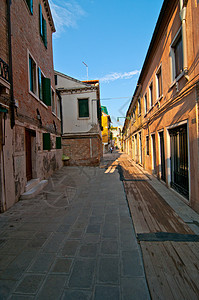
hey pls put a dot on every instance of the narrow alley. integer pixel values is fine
(76, 239)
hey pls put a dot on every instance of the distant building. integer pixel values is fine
(81, 114)
(106, 124)
(161, 131)
(116, 136)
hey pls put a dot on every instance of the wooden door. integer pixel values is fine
(28, 155)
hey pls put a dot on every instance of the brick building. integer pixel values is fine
(81, 114)
(6, 111)
(35, 139)
(161, 129)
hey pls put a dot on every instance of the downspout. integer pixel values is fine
(12, 101)
(183, 12)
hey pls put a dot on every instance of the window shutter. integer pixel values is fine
(40, 20)
(44, 32)
(46, 89)
(83, 108)
(58, 142)
(31, 6)
(46, 141)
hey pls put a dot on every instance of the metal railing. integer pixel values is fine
(4, 70)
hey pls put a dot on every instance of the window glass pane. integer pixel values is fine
(58, 108)
(159, 81)
(40, 84)
(32, 75)
(151, 94)
(40, 20)
(83, 108)
(53, 101)
(145, 103)
(178, 57)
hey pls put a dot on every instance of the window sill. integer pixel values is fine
(54, 114)
(83, 118)
(35, 96)
(177, 79)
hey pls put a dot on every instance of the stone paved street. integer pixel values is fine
(73, 241)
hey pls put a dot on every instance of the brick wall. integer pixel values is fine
(3, 31)
(85, 151)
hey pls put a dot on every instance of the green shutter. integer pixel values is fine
(44, 32)
(30, 5)
(46, 90)
(40, 20)
(83, 108)
(46, 141)
(58, 142)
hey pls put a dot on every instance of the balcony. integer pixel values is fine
(4, 70)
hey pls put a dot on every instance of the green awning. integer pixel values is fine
(3, 109)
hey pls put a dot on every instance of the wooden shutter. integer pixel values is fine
(45, 32)
(40, 20)
(46, 90)
(46, 141)
(83, 108)
(58, 142)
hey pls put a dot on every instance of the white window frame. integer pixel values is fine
(174, 79)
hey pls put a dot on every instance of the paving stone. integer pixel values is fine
(21, 297)
(75, 234)
(88, 250)
(5, 260)
(76, 295)
(62, 265)
(29, 284)
(35, 243)
(96, 220)
(134, 289)
(107, 293)
(109, 247)
(108, 270)
(13, 246)
(93, 228)
(52, 288)
(110, 231)
(16, 268)
(70, 248)
(91, 238)
(42, 263)
(64, 228)
(54, 243)
(132, 264)
(6, 286)
(82, 274)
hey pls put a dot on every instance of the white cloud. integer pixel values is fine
(65, 14)
(115, 76)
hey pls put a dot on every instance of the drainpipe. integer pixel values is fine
(183, 11)
(12, 101)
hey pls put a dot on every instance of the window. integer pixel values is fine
(145, 103)
(32, 76)
(30, 5)
(39, 85)
(147, 145)
(58, 142)
(42, 26)
(151, 94)
(177, 56)
(83, 108)
(56, 80)
(139, 107)
(159, 82)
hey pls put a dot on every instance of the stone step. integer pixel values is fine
(31, 183)
(34, 191)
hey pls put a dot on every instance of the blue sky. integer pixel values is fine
(111, 37)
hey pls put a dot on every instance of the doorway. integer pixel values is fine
(29, 134)
(162, 156)
(154, 169)
(179, 160)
